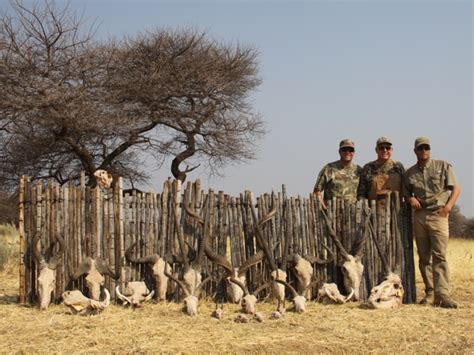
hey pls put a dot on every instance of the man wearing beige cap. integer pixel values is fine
(431, 190)
(339, 178)
(382, 176)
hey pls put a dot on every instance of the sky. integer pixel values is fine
(331, 70)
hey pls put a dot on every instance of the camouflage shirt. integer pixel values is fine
(338, 181)
(378, 180)
(430, 184)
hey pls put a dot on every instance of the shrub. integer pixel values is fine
(8, 244)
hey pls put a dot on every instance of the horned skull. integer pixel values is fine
(388, 294)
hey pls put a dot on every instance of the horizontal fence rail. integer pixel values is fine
(105, 222)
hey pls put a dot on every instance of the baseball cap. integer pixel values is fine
(346, 143)
(421, 140)
(384, 140)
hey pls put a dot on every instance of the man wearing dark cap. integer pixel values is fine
(431, 190)
(340, 178)
(382, 176)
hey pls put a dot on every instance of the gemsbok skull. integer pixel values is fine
(351, 265)
(47, 265)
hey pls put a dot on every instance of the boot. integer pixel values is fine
(428, 299)
(445, 302)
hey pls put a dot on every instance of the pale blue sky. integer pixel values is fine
(333, 70)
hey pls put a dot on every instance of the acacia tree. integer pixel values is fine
(70, 103)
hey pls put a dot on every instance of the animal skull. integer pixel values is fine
(80, 304)
(329, 294)
(388, 294)
(352, 269)
(103, 178)
(135, 293)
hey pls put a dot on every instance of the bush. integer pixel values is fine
(8, 244)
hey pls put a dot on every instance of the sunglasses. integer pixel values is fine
(423, 147)
(384, 147)
(348, 150)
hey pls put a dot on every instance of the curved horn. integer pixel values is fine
(385, 264)
(180, 284)
(218, 259)
(261, 288)
(201, 285)
(53, 261)
(258, 231)
(334, 237)
(193, 214)
(36, 245)
(106, 302)
(316, 260)
(83, 268)
(122, 297)
(104, 268)
(350, 295)
(241, 285)
(292, 289)
(254, 259)
(151, 259)
(149, 296)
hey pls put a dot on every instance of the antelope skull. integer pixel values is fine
(249, 300)
(47, 270)
(103, 178)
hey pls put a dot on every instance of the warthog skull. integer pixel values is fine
(329, 294)
(388, 294)
(157, 266)
(103, 178)
(77, 303)
(47, 270)
(135, 293)
(95, 269)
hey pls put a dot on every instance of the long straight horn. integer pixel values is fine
(385, 264)
(253, 260)
(359, 250)
(258, 231)
(334, 237)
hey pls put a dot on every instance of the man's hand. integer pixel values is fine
(414, 203)
(321, 199)
(444, 211)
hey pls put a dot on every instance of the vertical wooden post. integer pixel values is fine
(21, 230)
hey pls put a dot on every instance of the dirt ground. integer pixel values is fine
(164, 328)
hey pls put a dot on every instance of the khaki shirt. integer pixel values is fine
(430, 184)
(339, 181)
(378, 180)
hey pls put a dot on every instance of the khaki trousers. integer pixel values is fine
(431, 236)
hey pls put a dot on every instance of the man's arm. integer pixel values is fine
(444, 211)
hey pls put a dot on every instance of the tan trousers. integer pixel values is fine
(431, 236)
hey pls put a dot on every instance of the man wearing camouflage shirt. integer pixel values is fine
(340, 178)
(382, 176)
(431, 190)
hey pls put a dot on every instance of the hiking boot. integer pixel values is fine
(428, 299)
(445, 302)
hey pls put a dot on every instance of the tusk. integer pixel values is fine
(350, 295)
(122, 297)
(150, 295)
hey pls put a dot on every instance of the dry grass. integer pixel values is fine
(163, 328)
